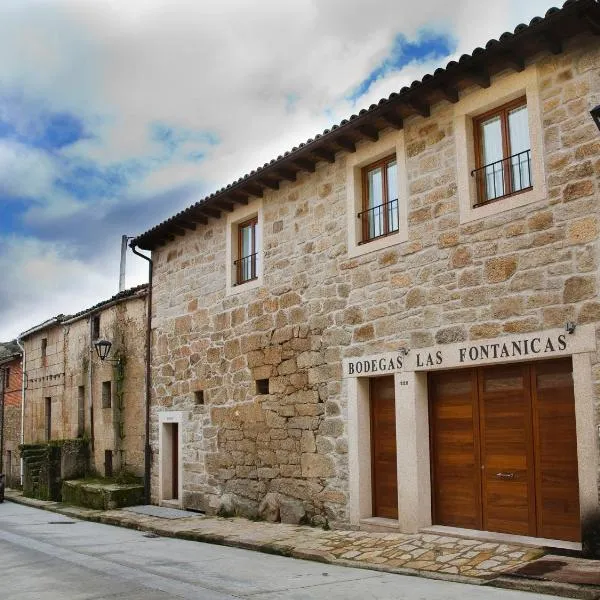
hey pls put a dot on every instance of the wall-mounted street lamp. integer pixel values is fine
(103, 350)
(595, 112)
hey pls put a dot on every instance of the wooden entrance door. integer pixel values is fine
(175, 461)
(383, 447)
(504, 449)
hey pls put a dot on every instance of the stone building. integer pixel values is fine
(11, 375)
(72, 393)
(396, 322)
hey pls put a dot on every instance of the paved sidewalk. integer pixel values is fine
(427, 555)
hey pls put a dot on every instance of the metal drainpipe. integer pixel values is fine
(23, 382)
(147, 448)
(2, 398)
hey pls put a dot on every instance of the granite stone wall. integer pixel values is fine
(525, 269)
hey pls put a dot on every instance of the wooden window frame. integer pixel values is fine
(501, 111)
(252, 222)
(382, 162)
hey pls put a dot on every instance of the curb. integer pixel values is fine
(501, 581)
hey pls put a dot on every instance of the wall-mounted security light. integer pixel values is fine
(570, 327)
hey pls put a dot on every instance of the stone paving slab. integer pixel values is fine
(163, 512)
(428, 554)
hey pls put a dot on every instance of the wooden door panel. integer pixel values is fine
(383, 447)
(455, 449)
(555, 435)
(508, 486)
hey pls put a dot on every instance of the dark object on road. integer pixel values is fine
(2, 479)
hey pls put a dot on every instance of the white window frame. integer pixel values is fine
(502, 90)
(366, 154)
(254, 208)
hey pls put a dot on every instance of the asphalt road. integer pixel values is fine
(45, 556)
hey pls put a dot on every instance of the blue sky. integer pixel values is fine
(114, 115)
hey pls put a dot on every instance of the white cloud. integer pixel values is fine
(228, 67)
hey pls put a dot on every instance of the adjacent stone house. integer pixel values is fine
(72, 393)
(11, 375)
(396, 323)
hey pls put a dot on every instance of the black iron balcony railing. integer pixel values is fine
(503, 178)
(245, 269)
(379, 221)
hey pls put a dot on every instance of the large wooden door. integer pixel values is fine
(383, 447)
(504, 449)
(455, 448)
(557, 481)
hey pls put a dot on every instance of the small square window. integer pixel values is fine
(106, 394)
(502, 152)
(262, 386)
(199, 397)
(380, 212)
(246, 262)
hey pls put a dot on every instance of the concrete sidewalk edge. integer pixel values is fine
(501, 581)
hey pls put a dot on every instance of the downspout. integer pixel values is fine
(23, 382)
(147, 448)
(90, 388)
(2, 397)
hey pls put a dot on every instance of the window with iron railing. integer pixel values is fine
(380, 215)
(503, 152)
(246, 263)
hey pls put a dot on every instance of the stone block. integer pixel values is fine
(582, 231)
(450, 335)
(316, 465)
(579, 288)
(268, 509)
(292, 511)
(500, 269)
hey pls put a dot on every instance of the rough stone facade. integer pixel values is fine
(10, 390)
(525, 269)
(72, 376)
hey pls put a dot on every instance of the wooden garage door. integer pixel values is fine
(504, 455)
(383, 447)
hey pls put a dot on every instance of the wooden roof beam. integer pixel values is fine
(287, 174)
(552, 41)
(223, 204)
(304, 164)
(196, 218)
(270, 183)
(238, 198)
(324, 154)
(345, 144)
(479, 76)
(513, 60)
(186, 224)
(593, 24)
(254, 190)
(211, 212)
(369, 131)
(450, 93)
(419, 107)
(393, 120)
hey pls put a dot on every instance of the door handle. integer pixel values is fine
(506, 475)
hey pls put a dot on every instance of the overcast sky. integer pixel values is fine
(116, 114)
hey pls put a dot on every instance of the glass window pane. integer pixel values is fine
(518, 130)
(491, 148)
(375, 200)
(392, 184)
